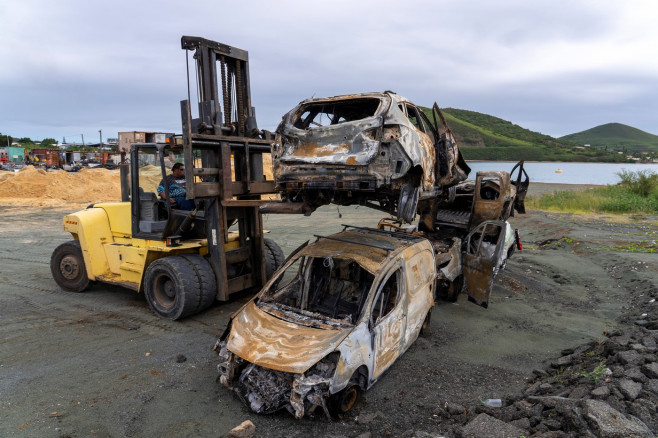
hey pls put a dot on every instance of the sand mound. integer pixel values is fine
(36, 187)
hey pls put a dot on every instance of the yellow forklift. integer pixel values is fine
(184, 260)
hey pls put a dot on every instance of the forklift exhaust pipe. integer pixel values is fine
(124, 176)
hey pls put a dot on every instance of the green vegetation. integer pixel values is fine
(28, 143)
(616, 136)
(484, 137)
(642, 182)
(637, 193)
(5, 140)
(596, 374)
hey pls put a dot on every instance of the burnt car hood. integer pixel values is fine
(260, 338)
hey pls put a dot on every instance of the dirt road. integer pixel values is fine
(100, 364)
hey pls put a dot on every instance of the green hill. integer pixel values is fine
(484, 137)
(616, 136)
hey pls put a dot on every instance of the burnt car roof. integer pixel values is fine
(369, 247)
(372, 94)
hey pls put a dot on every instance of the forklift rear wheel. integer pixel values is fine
(68, 267)
(179, 286)
(274, 257)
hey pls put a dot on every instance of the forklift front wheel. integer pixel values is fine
(175, 286)
(68, 267)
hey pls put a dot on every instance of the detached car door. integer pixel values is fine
(388, 321)
(483, 252)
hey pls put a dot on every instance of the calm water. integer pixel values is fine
(572, 173)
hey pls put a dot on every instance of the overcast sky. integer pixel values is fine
(72, 67)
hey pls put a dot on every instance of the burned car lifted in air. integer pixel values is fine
(374, 149)
(344, 308)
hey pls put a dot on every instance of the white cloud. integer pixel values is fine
(118, 65)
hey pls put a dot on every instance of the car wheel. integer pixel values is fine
(425, 329)
(408, 202)
(345, 400)
(178, 286)
(68, 267)
(274, 257)
(455, 288)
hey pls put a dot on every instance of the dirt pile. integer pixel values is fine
(36, 187)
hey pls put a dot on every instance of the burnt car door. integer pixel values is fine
(387, 321)
(521, 181)
(451, 167)
(492, 198)
(483, 250)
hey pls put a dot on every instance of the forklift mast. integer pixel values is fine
(223, 151)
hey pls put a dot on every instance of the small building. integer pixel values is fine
(49, 157)
(16, 154)
(128, 138)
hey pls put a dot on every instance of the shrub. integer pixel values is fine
(642, 182)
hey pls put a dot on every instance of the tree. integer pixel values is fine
(5, 140)
(48, 142)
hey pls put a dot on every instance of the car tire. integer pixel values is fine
(67, 266)
(425, 329)
(343, 401)
(179, 286)
(455, 288)
(274, 257)
(408, 202)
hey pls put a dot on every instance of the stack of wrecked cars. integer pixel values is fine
(343, 308)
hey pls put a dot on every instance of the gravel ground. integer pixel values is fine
(101, 364)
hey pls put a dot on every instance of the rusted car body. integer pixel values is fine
(376, 149)
(332, 320)
(491, 196)
(344, 308)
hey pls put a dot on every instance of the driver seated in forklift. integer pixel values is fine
(176, 183)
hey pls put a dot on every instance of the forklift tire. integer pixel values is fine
(68, 267)
(179, 286)
(274, 257)
(205, 274)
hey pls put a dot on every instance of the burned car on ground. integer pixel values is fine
(344, 308)
(374, 149)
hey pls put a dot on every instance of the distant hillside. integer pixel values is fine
(616, 136)
(484, 137)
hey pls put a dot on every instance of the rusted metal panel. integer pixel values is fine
(280, 345)
(493, 198)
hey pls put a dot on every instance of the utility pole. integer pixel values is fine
(100, 134)
(83, 139)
